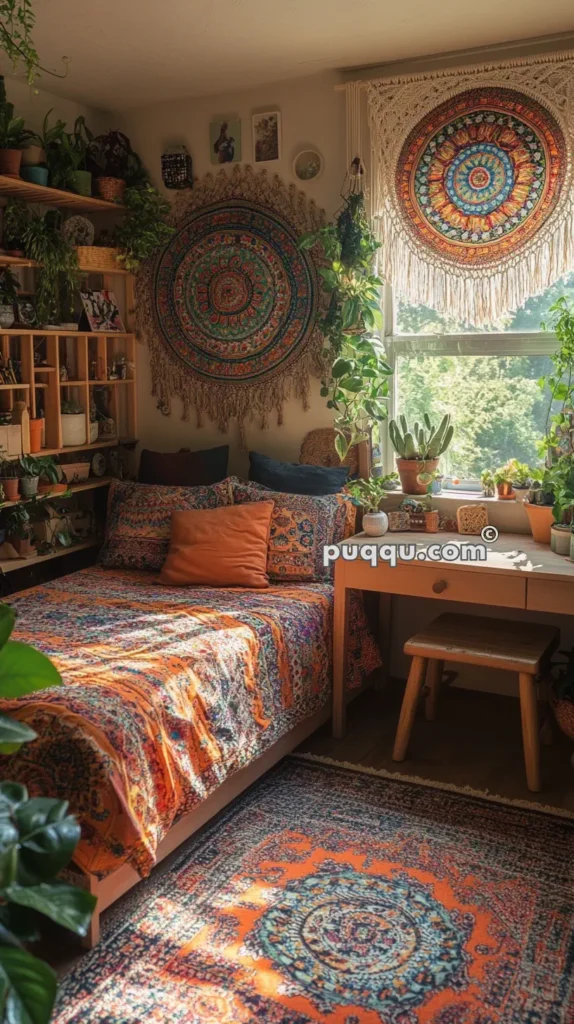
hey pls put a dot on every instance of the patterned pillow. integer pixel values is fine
(139, 520)
(301, 524)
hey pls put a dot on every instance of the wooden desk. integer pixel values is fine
(518, 573)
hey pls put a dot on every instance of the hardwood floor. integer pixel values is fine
(475, 741)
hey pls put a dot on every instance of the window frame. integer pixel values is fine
(515, 343)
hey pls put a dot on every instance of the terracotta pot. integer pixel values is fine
(36, 427)
(11, 485)
(410, 470)
(25, 547)
(111, 189)
(10, 160)
(45, 487)
(541, 518)
(504, 492)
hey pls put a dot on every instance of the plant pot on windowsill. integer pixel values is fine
(411, 471)
(560, 534)
(541, 518)
(504, 491)
(10, 160)
(520, 493)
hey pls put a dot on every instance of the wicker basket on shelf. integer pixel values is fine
(98, 257)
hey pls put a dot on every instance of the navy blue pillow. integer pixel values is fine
(184, 468)
(293, 478)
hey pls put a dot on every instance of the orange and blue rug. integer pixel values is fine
(330, 896)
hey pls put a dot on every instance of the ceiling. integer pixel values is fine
(126, 53)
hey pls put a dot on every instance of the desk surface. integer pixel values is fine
(510, 553)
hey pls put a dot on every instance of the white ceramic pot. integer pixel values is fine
(375, 524)
(73, 429)
(520, 493)
(32, 156)
(6, 316)
(560, 539)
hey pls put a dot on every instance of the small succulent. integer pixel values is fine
(424, 441)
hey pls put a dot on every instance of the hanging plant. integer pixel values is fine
(57, 276)
(357, 387)
(144, 228)
(17, 21)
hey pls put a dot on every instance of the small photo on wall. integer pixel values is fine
(225, 141)
(266, 136)
(102, 311)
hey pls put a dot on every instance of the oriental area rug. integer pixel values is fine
(330, 895)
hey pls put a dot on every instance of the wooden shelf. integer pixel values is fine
(21, 261)
(79, 448)
(54, 331)
(44, 369)
(19, 189)
(92, 484)
(11, 564)
(14, 387)
(126, 380)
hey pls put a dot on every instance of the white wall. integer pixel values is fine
(312, 116)
(34, 105)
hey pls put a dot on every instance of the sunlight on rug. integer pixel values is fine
(329, 895)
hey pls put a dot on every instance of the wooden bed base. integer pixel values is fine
(109, 889)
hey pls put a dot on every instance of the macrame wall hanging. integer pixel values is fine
(229, 306)
(472, 182)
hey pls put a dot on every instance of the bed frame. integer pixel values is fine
(109, 889)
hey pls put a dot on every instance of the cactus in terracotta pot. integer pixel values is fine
(418, 450)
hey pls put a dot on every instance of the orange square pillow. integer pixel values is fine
(219, 547)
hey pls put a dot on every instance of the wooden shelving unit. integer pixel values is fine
(92, 484)
(16, 188)
(87, 357)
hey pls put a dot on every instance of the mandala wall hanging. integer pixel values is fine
(229, 306)
(473, 184)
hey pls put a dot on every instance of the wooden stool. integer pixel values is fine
(495, 643)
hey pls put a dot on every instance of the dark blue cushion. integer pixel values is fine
(293, 478)
(184, 468)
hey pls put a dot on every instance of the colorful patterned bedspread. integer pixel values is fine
(168, 691)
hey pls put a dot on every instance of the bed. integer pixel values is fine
(175, 700)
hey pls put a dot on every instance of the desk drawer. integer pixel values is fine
(439, 583)
(550, 596)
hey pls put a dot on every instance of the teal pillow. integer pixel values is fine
(293, 478)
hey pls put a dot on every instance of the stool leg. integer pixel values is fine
(530, 737)
(409, 707)
(434, 675)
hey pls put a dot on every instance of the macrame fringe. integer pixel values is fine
(484, 295)
(171, 378)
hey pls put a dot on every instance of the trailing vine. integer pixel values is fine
(17, 22)
(357, 387)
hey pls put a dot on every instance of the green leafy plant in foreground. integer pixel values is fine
(37, 840)
(368, 494)
(144, 227)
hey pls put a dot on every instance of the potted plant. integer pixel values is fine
(368, 495)
(78, 142)
(50, 476)
(9, 476)
(15, 220)
(522, 478)
(30, 469)
(73, 419)
(57, 153)
(45, 243)
(488, 485)
(144, 228)
(357, 384)
(13, 136)
(8, 296)
(503, 482)
(19, 530)
(115, 165)
(418, 450)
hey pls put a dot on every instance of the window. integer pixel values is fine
(487, 379)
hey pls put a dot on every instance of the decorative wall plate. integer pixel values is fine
(308, 165)
(78, 230)
(99, 464)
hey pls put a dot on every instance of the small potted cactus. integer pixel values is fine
(418, 450)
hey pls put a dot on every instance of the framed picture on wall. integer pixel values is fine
(266, 136)
(102, 311)
(225, 141)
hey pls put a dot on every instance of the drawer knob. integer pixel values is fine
(439, 586)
